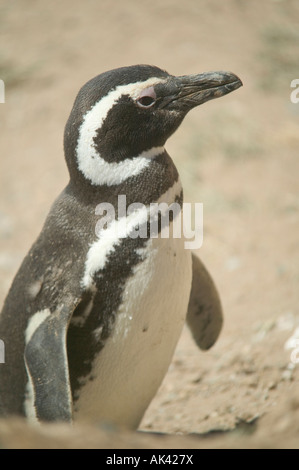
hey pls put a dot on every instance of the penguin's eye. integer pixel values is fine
(147, 98)
(145, 101)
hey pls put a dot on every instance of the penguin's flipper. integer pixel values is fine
(204, 316)
(47, 365)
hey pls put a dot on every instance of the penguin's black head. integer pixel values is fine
(123, 113)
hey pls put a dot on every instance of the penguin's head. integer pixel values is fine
(131, 111)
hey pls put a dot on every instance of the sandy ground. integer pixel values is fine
(237, 155)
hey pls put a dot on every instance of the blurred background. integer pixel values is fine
(238, 155)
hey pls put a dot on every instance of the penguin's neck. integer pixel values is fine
(147, 186)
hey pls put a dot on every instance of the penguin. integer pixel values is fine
(92, 318)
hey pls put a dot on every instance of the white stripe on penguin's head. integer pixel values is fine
(90, 163)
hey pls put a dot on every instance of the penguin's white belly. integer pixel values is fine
(131, 366)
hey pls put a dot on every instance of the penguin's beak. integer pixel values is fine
(189, 91)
